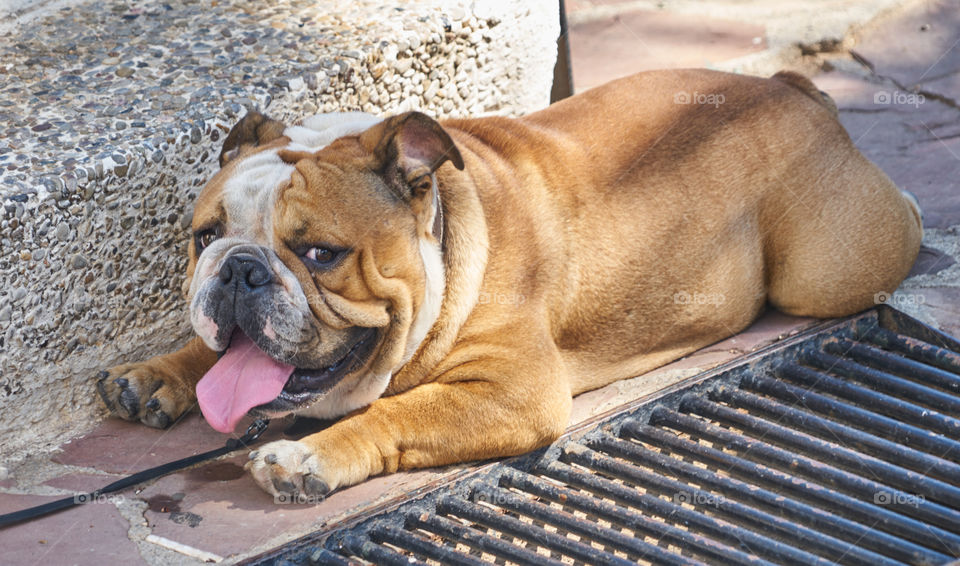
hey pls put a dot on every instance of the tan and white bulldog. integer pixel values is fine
(448, 287)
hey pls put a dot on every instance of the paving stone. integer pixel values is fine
(917, 47)
(91, 535)
(618, 46)
(945, 304)
(218, 508)
(931, 261)
(82, 483)
(121, 447)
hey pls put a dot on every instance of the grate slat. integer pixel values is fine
(878, 402)
(675, 513)
(900, 432)
(866, 466)
(788, 509)
(409, 541)
(481, 540)
(878, 359)
(834, 501)
(915, 348)
(837, 446)
(452, 504)
(607, 537)
(627, 518)
(811, 468)
(848, 435)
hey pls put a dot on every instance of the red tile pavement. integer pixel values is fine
(916, 47)
(945, 303)
(92, 535)
(81, 482)
(621, 45)
(121, 447)
(226, 513)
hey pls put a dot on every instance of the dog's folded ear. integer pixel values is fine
(253, 130)
(408, 148)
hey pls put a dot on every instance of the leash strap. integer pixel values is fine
(250, 437)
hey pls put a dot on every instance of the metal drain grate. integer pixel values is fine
(841, 445)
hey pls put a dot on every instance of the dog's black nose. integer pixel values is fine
(246, 270)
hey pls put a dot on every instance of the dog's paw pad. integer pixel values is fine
(287, 467)
(134, 393)
(153, 414)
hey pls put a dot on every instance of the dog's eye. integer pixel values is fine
(204, 238)
(321, 257)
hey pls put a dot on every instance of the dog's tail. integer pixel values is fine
(804, 85)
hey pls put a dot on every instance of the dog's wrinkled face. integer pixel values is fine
(314, 269)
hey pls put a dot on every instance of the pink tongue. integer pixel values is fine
(242, 378)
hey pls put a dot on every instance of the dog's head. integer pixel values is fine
(315, 267)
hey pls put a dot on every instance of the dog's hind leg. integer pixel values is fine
(842, 243)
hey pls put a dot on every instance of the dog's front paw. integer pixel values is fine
(288, 468)
(140, 392)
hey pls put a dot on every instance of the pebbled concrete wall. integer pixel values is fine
(112, 118)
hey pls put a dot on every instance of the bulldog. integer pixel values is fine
(448, 287)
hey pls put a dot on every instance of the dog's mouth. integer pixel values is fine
(306, 383)
(246, 379)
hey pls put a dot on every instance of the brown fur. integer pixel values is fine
(585, 226)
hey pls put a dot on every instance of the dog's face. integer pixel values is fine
(314, 267)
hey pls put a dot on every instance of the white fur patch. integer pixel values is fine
(251, 192)
(432, 296)
(317, 132)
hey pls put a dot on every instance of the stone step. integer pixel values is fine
(112, 115)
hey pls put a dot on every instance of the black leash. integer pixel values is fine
(253, 433)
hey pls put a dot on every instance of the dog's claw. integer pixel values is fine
(102, 391)
(102, 375)
(254, 454)
(122, 382)
(128, 400)
(315, 486)
(284, 486)
(270, 459)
